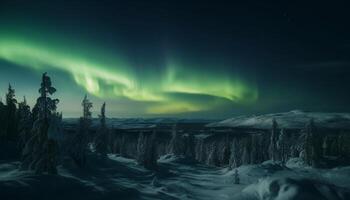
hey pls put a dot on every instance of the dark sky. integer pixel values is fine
(181, 58)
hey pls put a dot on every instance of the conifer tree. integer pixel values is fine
(246, 154)
(25, 122)
(39, 153)
(146, 150)
(236, 177)
(3, 119)
(313, 146)
(236, 154)
(176, 142)
(213, 157)
(282, 145)
(79, 145)
(273, 141)
(190, 146)
(11, 109)
(101, 139)
(226, 152)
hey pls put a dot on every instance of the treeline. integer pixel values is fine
(10, 115)
(38, 134)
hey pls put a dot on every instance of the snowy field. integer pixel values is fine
(176, 178)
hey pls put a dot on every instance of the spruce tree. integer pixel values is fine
(80, 142)
(176, 143)
(39, 153)
(146, 150)
(3, 120)
(236, 154)
(25, 122)
(213, 157)
(190, 146)
(236, 177)
(101, 139)
(313, 146)
(11, 109)
(225, 152)
(273, 141)
(282, 145)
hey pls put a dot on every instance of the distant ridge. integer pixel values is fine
(293, 119)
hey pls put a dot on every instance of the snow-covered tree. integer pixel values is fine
(80, 142)
(236, 154)
(225, 152)
(313, 146)
(25, 122)
(176, 143)
(11, 110)
(190, 146)
(40, 151)
(101, 139)
(282, 145)
(246, 155)
(213, 157)
(146, 150)
(273, 141)
(325, 145)
(3, 120)
(236, 177)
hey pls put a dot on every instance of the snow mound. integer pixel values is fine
(292, 189)
(295, 119)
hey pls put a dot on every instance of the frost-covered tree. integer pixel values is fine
(190, 146)
(225, 152)
(236, 177)
(40, 151)
(325, 146)
(313, 146)
(3, 120)
(282, 145)
(246, 154)
(25, 122)
(11, 110)
(273, 141)
(146, 150)
(101, 139)
(236, 154)
(80, 142)
(213, 157)
(176, 143)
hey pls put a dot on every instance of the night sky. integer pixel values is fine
(179, 58)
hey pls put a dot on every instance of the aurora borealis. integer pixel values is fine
(170, 91)
(148, 60)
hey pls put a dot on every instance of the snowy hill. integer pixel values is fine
(136, 123)
(293, 120)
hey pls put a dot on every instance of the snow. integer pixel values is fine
(176, 178)
(135, 123)
(294, 120)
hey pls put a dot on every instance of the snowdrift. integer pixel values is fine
(292, 189)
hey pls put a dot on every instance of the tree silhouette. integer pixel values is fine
(25, 122)
(80, 142)
(273, 141)
(40, 151)
(101, 138)
(11, 109)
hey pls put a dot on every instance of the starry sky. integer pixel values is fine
(186, 59)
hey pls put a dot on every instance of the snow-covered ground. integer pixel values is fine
(176, 178)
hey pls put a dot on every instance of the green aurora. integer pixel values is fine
(180, 87)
